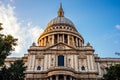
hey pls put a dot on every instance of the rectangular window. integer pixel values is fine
(60, 60)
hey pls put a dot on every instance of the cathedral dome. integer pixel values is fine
(60, 20)
(60, 29)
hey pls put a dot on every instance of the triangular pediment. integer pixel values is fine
(61, 46)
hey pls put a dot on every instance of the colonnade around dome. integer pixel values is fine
(57, 38)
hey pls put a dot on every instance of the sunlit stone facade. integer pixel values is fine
(62, 55)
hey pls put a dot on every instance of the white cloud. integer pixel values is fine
(26, 35)
(118, 26)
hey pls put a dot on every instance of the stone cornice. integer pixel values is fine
(37, 48)
(108, 60)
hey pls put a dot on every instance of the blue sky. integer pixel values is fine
(98, 21)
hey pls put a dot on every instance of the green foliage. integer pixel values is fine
(113, 73)
(14, 72)
(16, 69)
(4, 73)
(6, 46)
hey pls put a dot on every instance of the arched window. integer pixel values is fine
(38, 68)
(82, 68)
(60, 60)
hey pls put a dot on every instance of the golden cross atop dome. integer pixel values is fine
(60, 12)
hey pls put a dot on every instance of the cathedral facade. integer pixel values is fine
(62, 55)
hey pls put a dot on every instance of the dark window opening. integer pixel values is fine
(61, 77)
(47, 40)
(66, 39)
(60, 27)
(38, 68)
(78, 43)
(82, 68)
(75, 40)
(68, 77)
(55, 39)
(53, 77)
(60, 60)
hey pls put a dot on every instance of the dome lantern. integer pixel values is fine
(61, 12)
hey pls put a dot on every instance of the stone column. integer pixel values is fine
(79, 43)
(99, 70)
(50, 77)
(57, 77)
(60, 38)
(42, 64)
(88, 63)
(73, 43)
(66, 57)
(70, 77)
(48, 40)
(33, 62)
(47, 78)
(45, 41)
(68, 40)
(73, 78)
(52, 39)
(76, 41)
(29, 63)
(63, 38)
(56, 60)
(57, 38)
(65, 77)
(66, 63)
(92, 63)
(41, 42)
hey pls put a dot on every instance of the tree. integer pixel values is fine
(4, 73)
(113, 73)
(6, 45)
(14, 72)
(16, 69)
